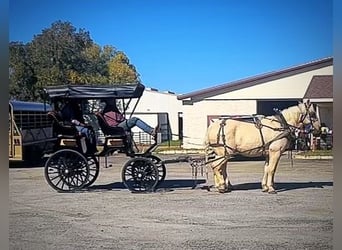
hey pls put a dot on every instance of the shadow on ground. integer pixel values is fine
(166, 185)
(174, 184)
(284, 186)
(27, 164)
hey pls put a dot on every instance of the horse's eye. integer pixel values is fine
(313, 115)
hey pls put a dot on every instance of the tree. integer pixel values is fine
(22, 79)
(57, 52)
(61, 55)
(121, 71)
(97, 59)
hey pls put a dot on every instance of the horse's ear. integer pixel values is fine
(307, 104)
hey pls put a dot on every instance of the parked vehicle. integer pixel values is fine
(30, 131)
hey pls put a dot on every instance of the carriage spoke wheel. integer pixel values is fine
(140, 175)
(67, 170)
(161, 167)
(94, 170)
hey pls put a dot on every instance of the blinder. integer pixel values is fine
(312, 117)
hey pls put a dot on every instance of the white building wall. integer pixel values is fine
(289, 87)
(195, 117)
(153, 102)
(325, 111)
(242, 102)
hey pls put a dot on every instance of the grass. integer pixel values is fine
(170, 145)
(317, 153)
(176, 143)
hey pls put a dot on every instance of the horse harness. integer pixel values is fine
(285, 129)
(312, 117)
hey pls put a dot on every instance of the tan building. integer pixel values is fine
(258, 95)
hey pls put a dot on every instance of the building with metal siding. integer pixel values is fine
(258, 95)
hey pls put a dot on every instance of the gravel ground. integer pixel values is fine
(108, 216)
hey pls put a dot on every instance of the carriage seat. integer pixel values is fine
(59, 127)
(115, 137)
(109, 130)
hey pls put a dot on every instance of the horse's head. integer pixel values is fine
(309, 116)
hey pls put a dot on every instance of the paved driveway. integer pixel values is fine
(107, 216)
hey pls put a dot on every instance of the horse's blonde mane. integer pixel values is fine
(292, 114)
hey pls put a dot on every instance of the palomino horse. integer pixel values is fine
(267, 136)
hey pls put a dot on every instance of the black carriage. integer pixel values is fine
(73, 164)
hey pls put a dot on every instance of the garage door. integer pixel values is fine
(265, 107)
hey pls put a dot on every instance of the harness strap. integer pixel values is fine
(285, 133)
(220, 133)
(259, 126)
(281, 119)
(285, 128)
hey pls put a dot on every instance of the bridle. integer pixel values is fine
(312, 116)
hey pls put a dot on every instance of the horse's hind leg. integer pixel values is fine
(264, 178)
(271, 169)
(220, 176)
(228, 185)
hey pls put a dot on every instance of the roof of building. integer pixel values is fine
(321, 86)
(255, 80)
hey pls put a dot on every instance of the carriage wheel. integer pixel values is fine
(140, 175)
(161, 167)
(67, 170)
(94, 170)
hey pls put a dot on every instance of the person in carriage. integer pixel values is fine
(71, 114)
(114, 117)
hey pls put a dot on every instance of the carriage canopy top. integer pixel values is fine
(94, 91)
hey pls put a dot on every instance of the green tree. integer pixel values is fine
(21, 74)
(97, 59)
(121, 71)
(61, 55)
(57, 52)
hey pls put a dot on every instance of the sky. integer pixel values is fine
(189, 45)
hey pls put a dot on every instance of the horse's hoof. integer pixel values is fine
(264, 190)
(206, 188)
(221, 191)
(272, 192)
